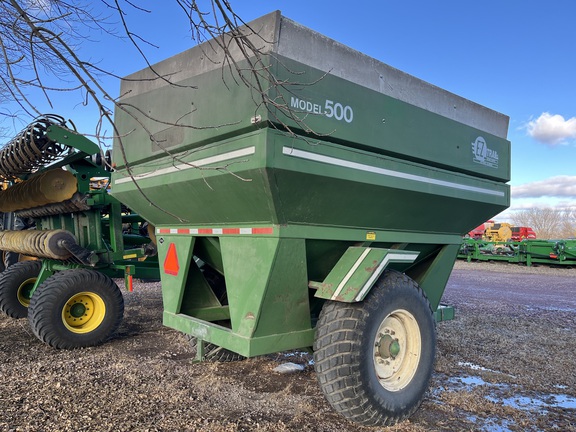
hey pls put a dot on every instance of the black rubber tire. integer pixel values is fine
(344, 352)
(11, 258)
(215, 353)
(13, 298)
(49, 303)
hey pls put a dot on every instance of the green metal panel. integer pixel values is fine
(174, 275)
(346, 187)
(336, 109)
(357, 270)
(267, 293)
(214, 111)
(433, 272)
(444, 313)
(208, 249)
(345, 112)
(248, 347)
(290, 182)
(72, 139)
(199, 299)
(183, 190)
(267, 285)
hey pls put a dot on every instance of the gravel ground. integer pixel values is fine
(505, 363)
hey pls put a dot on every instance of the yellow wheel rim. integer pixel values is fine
(83, 312)
(24, 291)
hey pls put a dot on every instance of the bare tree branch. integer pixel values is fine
(40, 45)
(548, 223)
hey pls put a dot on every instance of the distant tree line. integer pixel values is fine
(548, 223)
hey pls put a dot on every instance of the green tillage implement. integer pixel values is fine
(81, 239)
(273, 238)
(528, 252)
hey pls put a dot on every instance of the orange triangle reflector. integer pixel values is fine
(171, 266)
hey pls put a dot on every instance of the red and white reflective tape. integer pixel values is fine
(216, 231)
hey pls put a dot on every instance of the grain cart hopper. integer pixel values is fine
(60, 184)
(333, 214)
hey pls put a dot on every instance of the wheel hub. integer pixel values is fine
(77, 310)
(388, 347)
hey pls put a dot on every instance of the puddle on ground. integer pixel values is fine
(538, 403)
(465, 382)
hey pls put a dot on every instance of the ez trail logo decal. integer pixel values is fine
(483, 154)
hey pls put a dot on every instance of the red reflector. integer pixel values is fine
(130, 283)
(268, 230)
(553, 256)
(171, 266)
(231, 231)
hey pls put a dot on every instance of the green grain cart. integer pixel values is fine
(324, 209)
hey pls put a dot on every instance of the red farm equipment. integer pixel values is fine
(521, 233)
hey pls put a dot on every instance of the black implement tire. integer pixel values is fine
(76, 308)
(214, 352)
(15, 285)
(374, 359)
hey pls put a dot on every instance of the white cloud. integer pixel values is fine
(558, 186)
(558, 193)
(552, 129)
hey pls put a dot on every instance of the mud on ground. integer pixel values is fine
(506, 362)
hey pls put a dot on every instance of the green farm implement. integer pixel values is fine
(330, 218)
(527, 252)
(83, 238)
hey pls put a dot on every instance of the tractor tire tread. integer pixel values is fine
(10, 280)
(337, 356)
(44, 304)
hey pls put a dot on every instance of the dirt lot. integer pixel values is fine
(505, 363)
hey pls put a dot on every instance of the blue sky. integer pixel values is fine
(516, 57)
